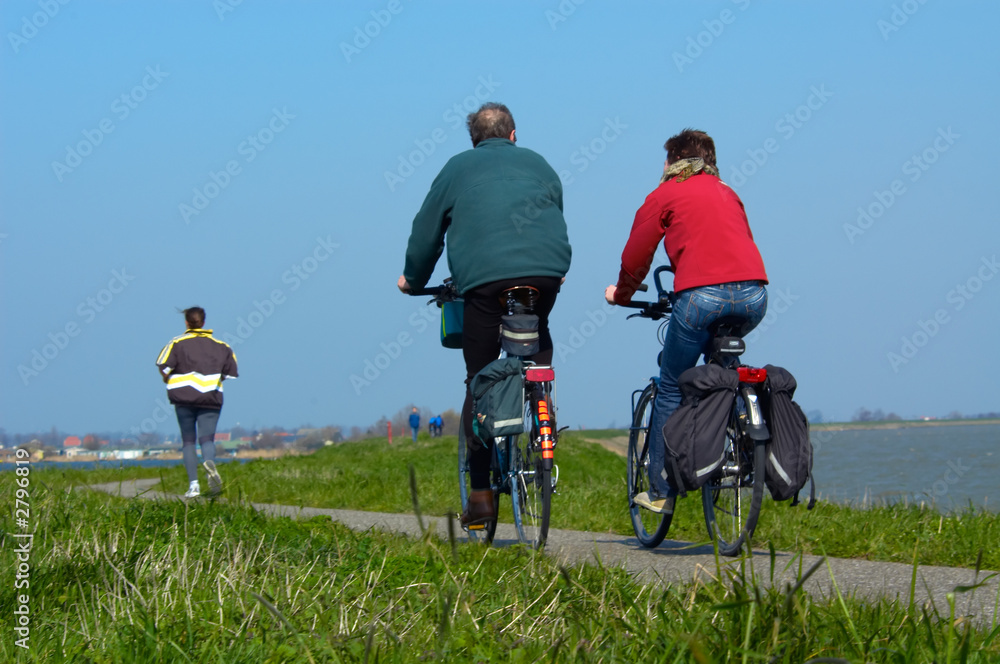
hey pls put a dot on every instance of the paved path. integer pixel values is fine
(678, 561)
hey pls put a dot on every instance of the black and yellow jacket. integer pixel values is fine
(196, 364)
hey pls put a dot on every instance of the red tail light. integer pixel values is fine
(540, 374)
(751, 375)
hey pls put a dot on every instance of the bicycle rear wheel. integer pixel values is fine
(650, 527)
(531, 482)
(731, 499)
(486, 533)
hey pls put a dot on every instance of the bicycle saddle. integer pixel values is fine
(726, 334)
(519, 297)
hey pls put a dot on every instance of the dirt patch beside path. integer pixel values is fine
(618, 444)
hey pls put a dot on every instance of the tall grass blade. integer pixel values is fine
(416, 502)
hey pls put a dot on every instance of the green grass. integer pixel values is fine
(373, 475)
(115, 580)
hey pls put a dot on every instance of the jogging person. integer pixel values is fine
(501, 209)
(718, 272)
(193, 366)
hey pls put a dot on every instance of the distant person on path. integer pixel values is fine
(193, 366)
(435, 426)
(719, 272)
(501, 209)
(415, 423)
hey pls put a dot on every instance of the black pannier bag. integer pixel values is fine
(789, 451)
(695, 434)
(519, 334)
(498, 399)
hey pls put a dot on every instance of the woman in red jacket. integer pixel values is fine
(718, 272)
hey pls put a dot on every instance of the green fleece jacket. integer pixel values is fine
(500, 208)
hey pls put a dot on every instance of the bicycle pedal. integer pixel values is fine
(476, 526)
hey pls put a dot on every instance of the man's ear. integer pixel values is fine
(513, 135)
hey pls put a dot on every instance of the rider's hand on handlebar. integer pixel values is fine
(403, 285)
(609, 294)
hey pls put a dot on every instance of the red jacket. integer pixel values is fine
(704, 231)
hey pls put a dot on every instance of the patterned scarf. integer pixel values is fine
(682, 169)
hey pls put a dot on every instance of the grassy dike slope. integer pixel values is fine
(115, 580)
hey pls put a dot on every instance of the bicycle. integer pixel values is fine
(523, 464)
(733, 494)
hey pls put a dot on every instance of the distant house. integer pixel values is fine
(232, 446)
(76, 451)
(222, 437)
(72, 441)
(129, 454)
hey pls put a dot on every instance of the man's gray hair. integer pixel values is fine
(492, 120)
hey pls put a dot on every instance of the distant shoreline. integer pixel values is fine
(895, 424)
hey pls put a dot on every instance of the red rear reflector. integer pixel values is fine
(751, 375)
(540, 375)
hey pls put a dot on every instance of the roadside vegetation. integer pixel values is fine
(373, 475)
(114, 580)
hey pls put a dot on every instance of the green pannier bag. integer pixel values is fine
(498, 399)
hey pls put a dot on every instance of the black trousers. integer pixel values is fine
(481, 345)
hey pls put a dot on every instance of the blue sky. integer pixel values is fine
(264, 160)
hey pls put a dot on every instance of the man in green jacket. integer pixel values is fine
(500, 208)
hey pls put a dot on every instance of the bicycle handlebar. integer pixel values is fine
(664, 303)
(439, 294)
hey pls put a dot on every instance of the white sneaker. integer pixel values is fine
(658, 504)
(214, 480)
(194, 490)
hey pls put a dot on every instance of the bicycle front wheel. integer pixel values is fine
(486, 533)
(731, 499)
(650, 527)
(531, 482)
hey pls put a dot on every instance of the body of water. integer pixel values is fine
(948, 467)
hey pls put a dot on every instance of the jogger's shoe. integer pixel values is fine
(479, 511)
(194, 490)
(214, 481)
(655, 502)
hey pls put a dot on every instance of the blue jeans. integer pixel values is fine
(688, 339)
(416, 430)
